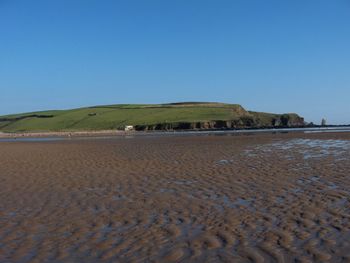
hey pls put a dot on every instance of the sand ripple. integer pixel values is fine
(263, 198)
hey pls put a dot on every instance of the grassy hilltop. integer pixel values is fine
(187, 115)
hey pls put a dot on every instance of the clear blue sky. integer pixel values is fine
(271, 55)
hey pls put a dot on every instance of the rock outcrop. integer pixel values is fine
(244, 122)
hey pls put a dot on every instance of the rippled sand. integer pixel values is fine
(257, 198)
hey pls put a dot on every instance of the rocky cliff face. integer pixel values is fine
(247, 121)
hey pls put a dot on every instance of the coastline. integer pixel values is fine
(69, 134)
(61, 134)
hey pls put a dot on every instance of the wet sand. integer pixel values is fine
(246, 198)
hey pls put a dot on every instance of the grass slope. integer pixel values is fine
(117, 116)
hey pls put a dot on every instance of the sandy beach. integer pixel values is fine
(208, 198)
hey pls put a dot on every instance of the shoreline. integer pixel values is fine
(69, 134)
(60, 134)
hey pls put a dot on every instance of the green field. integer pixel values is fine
(118, 116)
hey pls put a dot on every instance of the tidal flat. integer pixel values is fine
(188, 198)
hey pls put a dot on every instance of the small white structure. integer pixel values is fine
(129, 128)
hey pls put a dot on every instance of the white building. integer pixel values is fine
(129, 128)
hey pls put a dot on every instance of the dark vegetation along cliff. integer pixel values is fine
(172, 116)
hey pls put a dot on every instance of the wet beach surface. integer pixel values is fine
(245, 198)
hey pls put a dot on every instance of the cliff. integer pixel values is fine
(245, 122)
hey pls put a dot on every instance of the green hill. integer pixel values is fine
(187, 115)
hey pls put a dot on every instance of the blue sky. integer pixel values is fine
(271, 55)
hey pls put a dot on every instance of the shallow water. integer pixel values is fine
(308, 148)
(250, 132)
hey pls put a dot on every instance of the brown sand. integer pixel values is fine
(257, 198)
